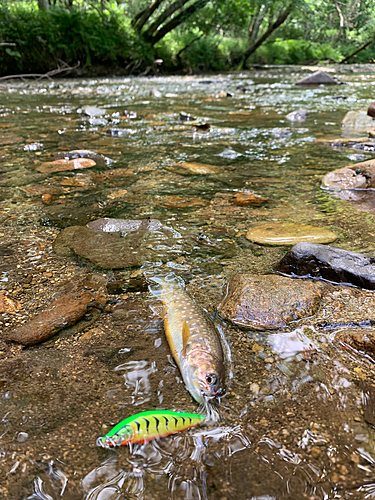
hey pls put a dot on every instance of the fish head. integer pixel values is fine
(121, 437)
(204, 381)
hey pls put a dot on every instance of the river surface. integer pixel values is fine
(291, 425)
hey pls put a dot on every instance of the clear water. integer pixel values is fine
(291, 425)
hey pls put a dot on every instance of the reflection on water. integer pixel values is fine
(136, 377)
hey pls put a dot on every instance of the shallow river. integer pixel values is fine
(291, 424)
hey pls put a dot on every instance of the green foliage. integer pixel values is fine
(295, 52)
(90, 36)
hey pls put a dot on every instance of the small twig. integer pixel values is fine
(9, 44)
(39, 76)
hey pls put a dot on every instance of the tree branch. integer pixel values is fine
(356, 51)
(177, 20)
(142, 17)
(40, 76)
(163, 17)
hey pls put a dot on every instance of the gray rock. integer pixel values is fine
(358, 120)
(93, 111)
(332, 264)
(99, 159)
(318, 78)
(107, 225)
(268, 302)
(35, 146)
(297, 116)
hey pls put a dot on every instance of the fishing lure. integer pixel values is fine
(148, 425)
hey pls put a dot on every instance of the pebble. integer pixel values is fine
(288, 233)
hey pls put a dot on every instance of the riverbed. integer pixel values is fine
(292, 424)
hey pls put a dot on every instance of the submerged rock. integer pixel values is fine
(93, 111)
(65, 165)
(10, 138)
(7, 304)
(248, 199)
(99, 159)
(333, 264)
(120, 243)
(288, 233)
(197, 168)
(318, 78)
(62, 312)
(268, 302)
(297, 116)
(356, 176)
(361, 339)
(357, 119)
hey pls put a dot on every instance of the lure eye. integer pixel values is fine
(211, 379)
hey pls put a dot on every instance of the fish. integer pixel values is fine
(148, 425)
(192, 338)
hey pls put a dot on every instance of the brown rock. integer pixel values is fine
(199, 168)
(65, 165)
(361, 339)
(357, 176)
(268, 302)
(248, 199)
(183, 202)
(371, 110)
(7, 304)
(62, 312)
(47, 199)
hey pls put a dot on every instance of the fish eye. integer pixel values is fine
(211, 378)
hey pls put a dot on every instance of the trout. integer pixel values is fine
(192, 338)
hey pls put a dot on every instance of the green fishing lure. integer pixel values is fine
(148, 425)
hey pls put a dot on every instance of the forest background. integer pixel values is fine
(107, 37)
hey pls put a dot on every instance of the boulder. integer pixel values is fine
(288, 233)
(332, 264)
(356, 176)
(268, 302)
(297, 116)
(371, 110)
(358, 120)
(318, 78)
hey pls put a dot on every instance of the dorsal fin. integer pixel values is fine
(185, 337)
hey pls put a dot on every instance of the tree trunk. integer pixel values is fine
(177, 20)
(282, 17)
(142, 17)
(356, 51)
(43, 4)
(164, 16)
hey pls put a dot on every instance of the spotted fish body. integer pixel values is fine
(148, 425)
(192, 338)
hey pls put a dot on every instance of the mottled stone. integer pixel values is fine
(288, 233)
(333, 264)
(183, 202)
(317, 78)
(357, 176)
(7, 304)
(99, 159)
(65, 165)
(297, 116)
(357, 119)
(268, 302)
(120, 243)
(198, 168)
(361, 339)
(248, 199)
(62, 312)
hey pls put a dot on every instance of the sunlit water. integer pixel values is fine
(291, 424)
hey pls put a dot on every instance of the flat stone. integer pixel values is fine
(356, 176)
(9, 138)
(183, 202)
(120, 243)
(61, 313)
(361, 339)
(65, 165)
(248, 199)
(358, 120)
(7, 304)
(198, 168)
(40, 189)
(297, 116)
(98, 158)
(333, 264)
(268, 302)
(288, 233)
(317, 78)
(93, 111)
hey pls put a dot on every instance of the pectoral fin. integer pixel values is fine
(159, 310)
(185, 337)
